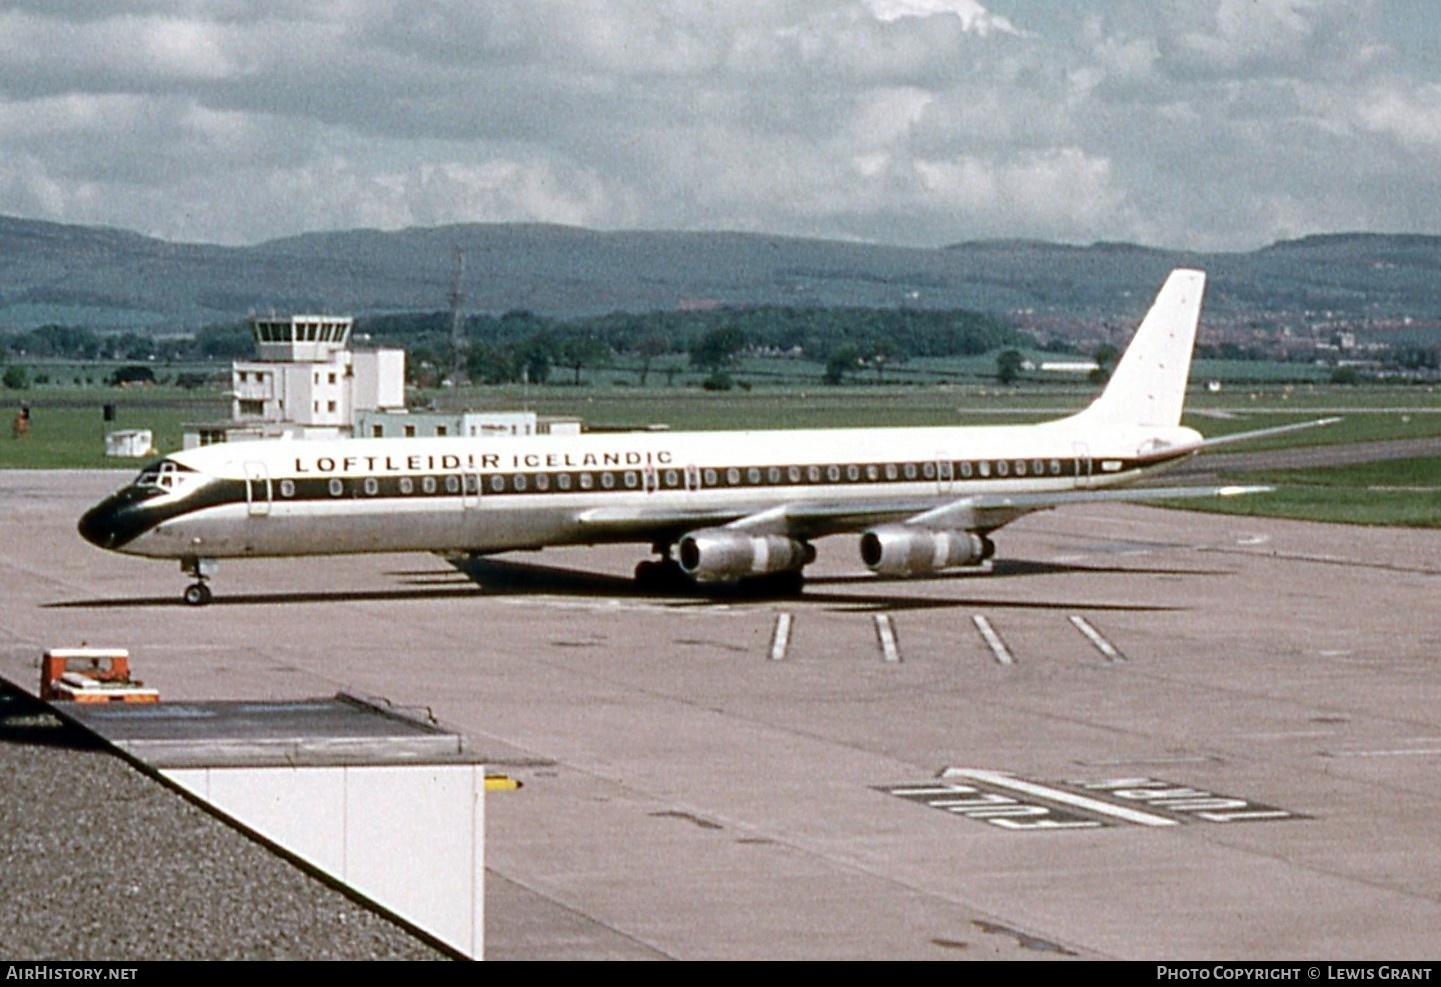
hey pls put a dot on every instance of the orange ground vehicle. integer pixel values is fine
(91, 675)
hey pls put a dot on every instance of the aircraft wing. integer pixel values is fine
(814, 519)
(639, 523)
(804, 520)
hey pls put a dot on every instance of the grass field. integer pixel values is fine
(68, 427)
(69, 432)
(1399, 492)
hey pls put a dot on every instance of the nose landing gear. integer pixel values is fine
(197, 594)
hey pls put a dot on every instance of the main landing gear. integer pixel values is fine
(789, 583)
(197, 594)
(664, 575)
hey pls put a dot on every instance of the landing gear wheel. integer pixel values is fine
(199, 568)
(658, 575)
(780, 584)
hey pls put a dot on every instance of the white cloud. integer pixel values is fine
(972, 14)
(1183, 122)
(1411, 116)
(1034, 191)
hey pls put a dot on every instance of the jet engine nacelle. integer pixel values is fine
(907, 550)
(720, 554)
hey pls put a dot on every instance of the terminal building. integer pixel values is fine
(472, 424)
(307, 382)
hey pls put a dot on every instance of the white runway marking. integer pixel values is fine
(1395, 752)
(886, 634)
(998, 780)
(781, 637)
(993, 640)
(1106, 648)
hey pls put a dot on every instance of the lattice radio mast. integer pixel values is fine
(457, 335)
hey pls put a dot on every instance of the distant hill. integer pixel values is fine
(105, 278)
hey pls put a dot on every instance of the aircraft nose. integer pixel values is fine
(117, 520)
(97, 525)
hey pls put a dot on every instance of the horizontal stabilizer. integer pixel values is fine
(1264, 433)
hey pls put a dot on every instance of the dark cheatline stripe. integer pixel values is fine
(132, 511)
(539, 483)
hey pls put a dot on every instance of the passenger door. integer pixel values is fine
(257, 489)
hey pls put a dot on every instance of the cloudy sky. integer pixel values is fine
(1202, 124)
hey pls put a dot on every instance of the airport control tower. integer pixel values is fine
(306, 377)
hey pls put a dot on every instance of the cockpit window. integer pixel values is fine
(164, 474)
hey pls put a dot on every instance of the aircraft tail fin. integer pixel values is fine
(1148, 387)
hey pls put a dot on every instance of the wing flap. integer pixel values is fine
(988, 512)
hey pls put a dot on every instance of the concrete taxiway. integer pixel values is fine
(1146, 734)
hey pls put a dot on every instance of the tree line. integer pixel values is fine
(524, 346)
(56, 342)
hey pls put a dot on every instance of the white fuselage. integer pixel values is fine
(489, 495)
(733, 505)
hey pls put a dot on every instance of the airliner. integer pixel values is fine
(718, 508)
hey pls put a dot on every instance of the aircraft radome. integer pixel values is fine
(717, 507)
